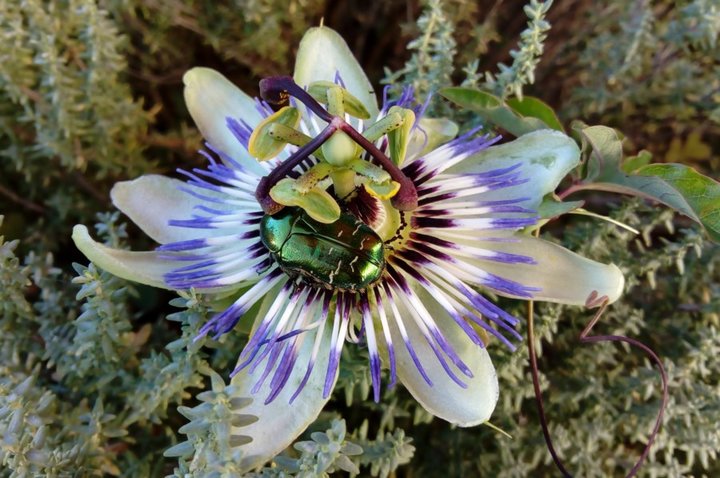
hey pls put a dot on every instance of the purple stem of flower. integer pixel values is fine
(586, 338)
(538, 394)
(277, 90)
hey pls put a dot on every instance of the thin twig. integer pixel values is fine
(23, 202)
(84, 184)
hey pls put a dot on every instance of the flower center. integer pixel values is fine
(337, 238)
(337, 147)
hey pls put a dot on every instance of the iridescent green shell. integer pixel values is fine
(345, 255)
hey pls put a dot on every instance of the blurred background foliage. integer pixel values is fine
(92, 373)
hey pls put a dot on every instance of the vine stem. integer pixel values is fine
(538, 393)
(601, 302)
(586, 338)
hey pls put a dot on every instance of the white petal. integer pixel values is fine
(211, 99)
(323, 54)
(445, 399)
(151, 201)
(545, 156)
(143, 267)
(562, 275)
(279, 422)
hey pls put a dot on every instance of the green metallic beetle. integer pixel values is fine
(346, 254)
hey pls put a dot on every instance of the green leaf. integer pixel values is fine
(700, 193)
(675, 185)
(605, 151)
(633, 163)
(533, 107)
(493, 110)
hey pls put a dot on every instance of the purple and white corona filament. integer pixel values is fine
(448, 211)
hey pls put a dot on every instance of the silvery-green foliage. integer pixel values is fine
(697, 23)
(15, 310)
(353, 376)
(62, 69)
(325, 453)
(164, 377)
(257, 34)
(656, 58)
(334, 450)
(386, 453)
(511, 78)
(101, 335)
(212, 449)
(38, 442)
(431, 64)
(602, 399)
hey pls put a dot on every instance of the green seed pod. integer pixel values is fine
(345, 255)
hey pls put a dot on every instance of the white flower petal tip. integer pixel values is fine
(322, 55)
(463, 406)
(614, 282)
(280, 422)
(560, 275)
(545, 158)
(143, 267)
(152, 201)
(211, 99)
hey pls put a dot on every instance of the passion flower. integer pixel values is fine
(346, 222)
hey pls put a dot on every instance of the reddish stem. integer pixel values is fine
(602, 302)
